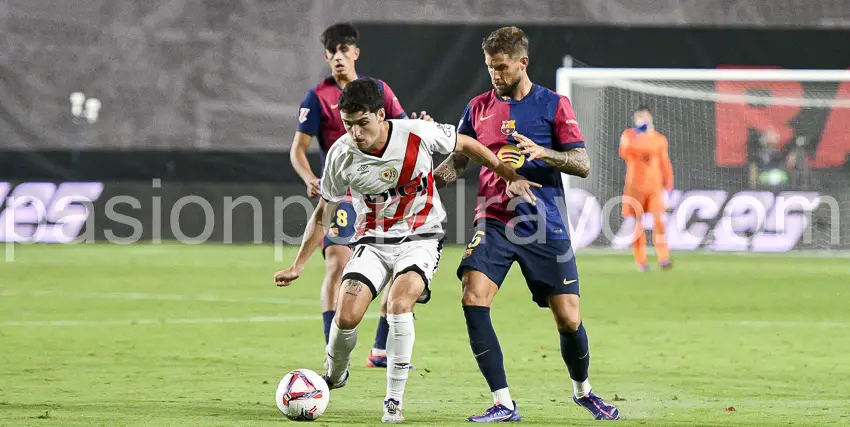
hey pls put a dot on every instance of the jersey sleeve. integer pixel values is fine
(309, 117)
(333, 186)
(465, 125)
(391, 103)
(438, 137)
(567, 133)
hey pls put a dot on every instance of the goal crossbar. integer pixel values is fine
(701, 74)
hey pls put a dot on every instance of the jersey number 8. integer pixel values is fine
(342, 218)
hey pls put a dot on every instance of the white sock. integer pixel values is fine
(503, 397)
(341, 343)
(399, 350)
(581, 388)
(379, 352)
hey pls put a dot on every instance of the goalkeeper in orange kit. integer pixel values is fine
(648, 174)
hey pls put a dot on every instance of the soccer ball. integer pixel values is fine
(302, 395)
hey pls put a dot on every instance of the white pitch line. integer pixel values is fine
(770, 324)
(183, 321)
(159, 297)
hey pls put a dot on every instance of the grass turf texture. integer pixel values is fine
(171, 335)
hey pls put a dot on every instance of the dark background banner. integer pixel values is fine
(196, 125)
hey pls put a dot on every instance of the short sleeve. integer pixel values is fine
(465, 125)
(333, 187)
(392, 104)
(309, 117)
(438, 137)
(567, 132)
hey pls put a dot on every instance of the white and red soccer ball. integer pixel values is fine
(302, 395)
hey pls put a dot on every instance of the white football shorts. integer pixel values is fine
(377, 265)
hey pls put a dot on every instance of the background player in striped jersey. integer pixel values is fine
(648, 174)
(319, 117)
(388, 167)
(534, 130)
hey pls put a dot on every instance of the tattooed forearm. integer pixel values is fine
(572, 162)
(450, 169)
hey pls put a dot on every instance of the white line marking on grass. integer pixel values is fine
(160, 322)
(160, 297)
(769, 324)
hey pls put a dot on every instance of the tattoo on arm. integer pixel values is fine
(572, 162)
(353, 287)
(450, 169)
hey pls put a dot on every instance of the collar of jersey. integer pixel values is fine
(332, 80)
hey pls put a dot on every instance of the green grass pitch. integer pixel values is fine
(178, 335)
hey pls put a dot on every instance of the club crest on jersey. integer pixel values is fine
(510, 154)
(508, 127)
(389, 175)
(302, 115)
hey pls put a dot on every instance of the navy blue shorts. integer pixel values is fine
(549, 268)
(342, 227)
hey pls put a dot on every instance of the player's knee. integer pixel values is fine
(336, 257)
(565, 309)
(404, 292)
(353, 302)
(347, 319)
(478, 290)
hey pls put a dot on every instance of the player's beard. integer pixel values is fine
(509, 89)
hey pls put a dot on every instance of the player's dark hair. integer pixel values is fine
(362, 95)
(642, 108)
(339, 34)
(510, 41)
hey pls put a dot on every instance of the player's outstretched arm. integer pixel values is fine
(313, 235)
(518, 186)
(666, 168)
(571, 162)
(298, 158)
(451, 168)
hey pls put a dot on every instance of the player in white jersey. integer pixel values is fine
(388, 166)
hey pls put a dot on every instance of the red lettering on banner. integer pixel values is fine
(834, 143)
(733, 120)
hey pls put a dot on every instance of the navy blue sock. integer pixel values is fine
(327, 318)
(576, 353)
(381, 334)
(485, 346)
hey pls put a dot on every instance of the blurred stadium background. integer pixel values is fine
(157, 100)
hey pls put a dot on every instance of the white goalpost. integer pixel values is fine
(757, 155)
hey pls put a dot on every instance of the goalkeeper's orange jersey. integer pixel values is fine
(648, 168)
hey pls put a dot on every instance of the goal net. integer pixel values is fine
(759, 156)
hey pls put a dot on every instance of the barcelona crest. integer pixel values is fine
(508, 127)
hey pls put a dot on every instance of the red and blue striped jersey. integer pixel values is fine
(546, 118)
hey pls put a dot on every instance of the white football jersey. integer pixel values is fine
(393, 193)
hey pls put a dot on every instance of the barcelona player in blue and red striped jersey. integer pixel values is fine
(534, 130)
(319, 117)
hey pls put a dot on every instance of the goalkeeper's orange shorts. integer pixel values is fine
(636, 204)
